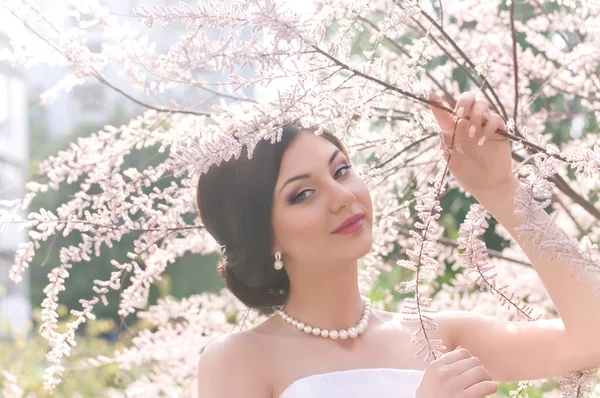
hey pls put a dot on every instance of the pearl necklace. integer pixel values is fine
(352, 332)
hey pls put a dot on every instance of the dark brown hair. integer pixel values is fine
(235, 200)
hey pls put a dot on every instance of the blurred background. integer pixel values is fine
(31, 132)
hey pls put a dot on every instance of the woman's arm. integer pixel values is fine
(480, 160)
(558, 262)
(514, 351)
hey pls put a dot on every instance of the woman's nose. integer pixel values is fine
(341, 196)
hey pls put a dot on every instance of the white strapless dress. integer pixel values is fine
(358, 383)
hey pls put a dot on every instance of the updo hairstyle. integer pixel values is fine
(234, 200)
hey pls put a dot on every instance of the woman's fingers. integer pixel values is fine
(473, 376)
(442, 116)
(481, 389)
(464, 104)
(456, 374)
(481, 122)
(495, 122)
(475, 381)
(480, 108)
(461, 366)
(454, 356)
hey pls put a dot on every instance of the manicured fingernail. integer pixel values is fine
(472, 130)
(486, 118)
(481, 141)
(460, 112)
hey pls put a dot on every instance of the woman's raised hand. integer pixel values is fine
(481, 158)
(456, 374)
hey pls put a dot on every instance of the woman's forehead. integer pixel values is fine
(304, 148)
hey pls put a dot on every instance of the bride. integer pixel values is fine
(293, 222)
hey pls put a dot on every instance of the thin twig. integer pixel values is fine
(514, 57)
(112, 227)
(381, 82)
(102, 80)
(412, 144)
(432, 103)
(582, 231)
(461, 66)
(563, 186)
(467, 59)
(405, 52)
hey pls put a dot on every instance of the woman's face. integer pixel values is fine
(316, 191)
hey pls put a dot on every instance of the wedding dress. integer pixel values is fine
(357, 383)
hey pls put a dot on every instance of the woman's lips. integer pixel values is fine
(353, 227)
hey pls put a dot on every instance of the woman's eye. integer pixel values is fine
(300, 197)
(345, 168)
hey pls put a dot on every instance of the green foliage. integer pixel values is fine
(191, 274)
(24, 358)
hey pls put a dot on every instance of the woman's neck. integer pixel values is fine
(330, 301)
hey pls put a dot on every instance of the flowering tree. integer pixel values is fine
(359, 68)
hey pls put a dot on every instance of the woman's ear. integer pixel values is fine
(276, 248)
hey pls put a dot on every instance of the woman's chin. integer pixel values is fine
(360, 246)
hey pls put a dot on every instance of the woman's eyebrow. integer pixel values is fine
(301, 176)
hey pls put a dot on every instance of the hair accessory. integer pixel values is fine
(274, 292)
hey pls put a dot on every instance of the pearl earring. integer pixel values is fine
(278, 263)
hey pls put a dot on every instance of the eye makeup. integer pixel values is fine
(295, 196)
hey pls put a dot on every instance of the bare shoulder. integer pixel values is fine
(231, 367)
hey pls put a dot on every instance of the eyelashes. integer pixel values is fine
(298, 198)
(346, 167)
(301, 196)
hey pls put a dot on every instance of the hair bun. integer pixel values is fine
(258, 286)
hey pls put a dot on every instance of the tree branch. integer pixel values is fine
(563, 186)
(102, 80)
(461, 66)
(514, 57)
(405, 52)
(431, 103)
(490, 252)
(467, 59)
(412, 144)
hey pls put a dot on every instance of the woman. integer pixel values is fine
(295, 219)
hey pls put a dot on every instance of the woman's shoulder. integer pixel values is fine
(234, 356)
(235, 346)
